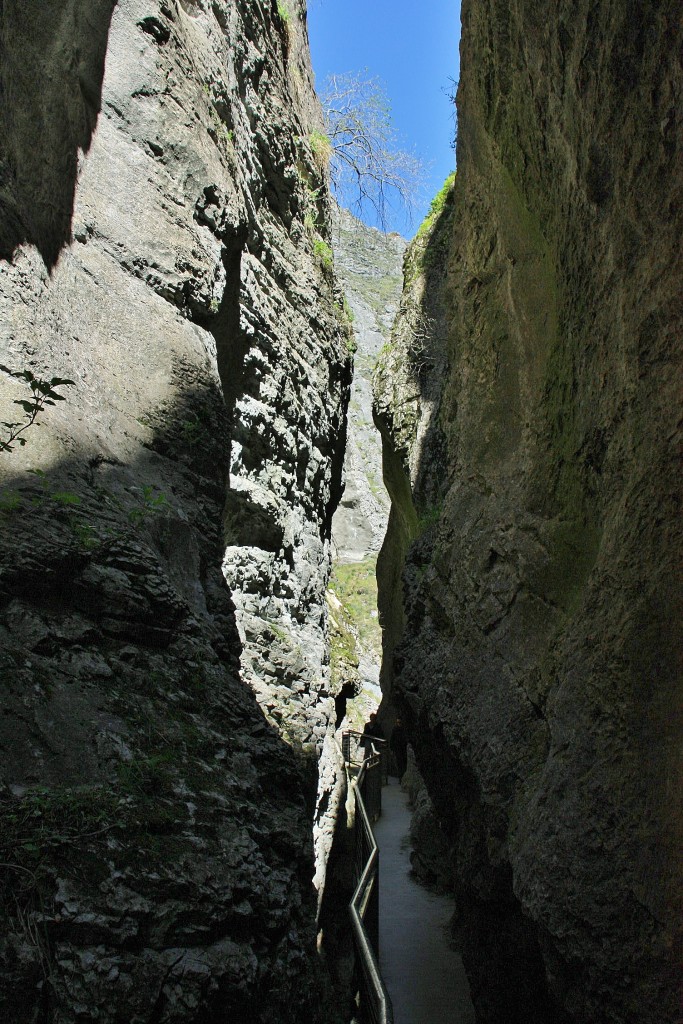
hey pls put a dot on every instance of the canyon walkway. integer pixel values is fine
(423, 973)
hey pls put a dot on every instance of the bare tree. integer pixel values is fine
(367, 166)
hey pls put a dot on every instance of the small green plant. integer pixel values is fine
(284, 12)
(280, 633)
(345, 316)
(147, 775)
(226, 134)
(85, 534)
(43, 393)
(218, 130)
(429, 516)
(10, 501)
(344, 313)
(59, 497)
(439, 201)
(192, 431)
(322, 148)
(151, 502)
(13, 501)
(323, 253)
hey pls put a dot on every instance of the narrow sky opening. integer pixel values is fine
(414, 49)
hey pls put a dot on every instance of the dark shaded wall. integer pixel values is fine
(51, 70)
(539, 667)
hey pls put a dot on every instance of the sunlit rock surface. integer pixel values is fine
(369, 266)
(162, 649)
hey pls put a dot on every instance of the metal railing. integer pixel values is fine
(375, 1003)
(357, 745)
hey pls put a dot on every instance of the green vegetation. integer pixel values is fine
(376, 484)
(10, 501)
(14, 501)
(378, 292)
(59, 497)
(323, 253)
(284, 12)
(50, 821)
(151, 502)
(437, 206)
(221, 133)
(429, 248)
(346, 316)
(355, 587)
(46, 818)
(355, 630)
(218, 130)
(322, 148)
(69, 509)
(280, 634)
(343, 656)
(43, 393)
(312, 215)
(429, 516)
(148, 775)
(361, 707)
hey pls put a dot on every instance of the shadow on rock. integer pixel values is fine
(51, 71)
(155, 830)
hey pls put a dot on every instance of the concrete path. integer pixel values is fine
(424, 975)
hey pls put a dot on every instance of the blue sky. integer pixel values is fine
(413, 48)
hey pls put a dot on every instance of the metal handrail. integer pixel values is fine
(379, 745)
(365, 904)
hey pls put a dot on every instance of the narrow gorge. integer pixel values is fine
(173, 665)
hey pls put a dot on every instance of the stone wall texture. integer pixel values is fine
(535, 653)
(368, 263)
(165, 538)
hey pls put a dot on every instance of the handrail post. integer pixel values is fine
(375, 1004)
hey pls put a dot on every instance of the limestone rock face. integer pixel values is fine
(534, 654)
(369, 266)
(166, 530)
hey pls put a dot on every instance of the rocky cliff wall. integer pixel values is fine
(535, 652)
(369, 266)
(166, 529)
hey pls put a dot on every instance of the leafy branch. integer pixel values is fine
(43, 393)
